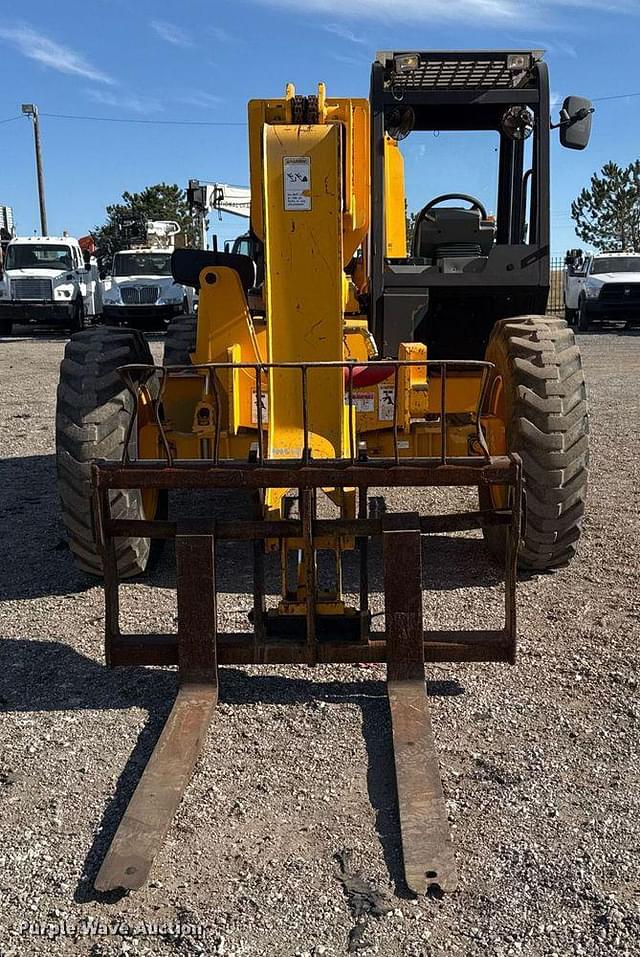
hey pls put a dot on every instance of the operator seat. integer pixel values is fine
(452, 232)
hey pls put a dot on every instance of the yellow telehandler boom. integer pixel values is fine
(279, 389)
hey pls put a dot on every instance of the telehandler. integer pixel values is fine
(358, 361)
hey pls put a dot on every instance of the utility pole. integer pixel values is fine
(30, 109)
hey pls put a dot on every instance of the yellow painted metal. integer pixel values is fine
(394, 200)
(223, 318)
(303, 254)
(463, 392)
(352, 118)
(423, 440)
(358, 340)
(315, 243)
(412, 400)
(226, 333)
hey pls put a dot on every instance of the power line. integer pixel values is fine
(617, 96)
(120, 119)
(147, 122)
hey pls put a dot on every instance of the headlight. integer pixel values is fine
(63, 292)
(170, 301)
(112, 298)
(592, 292)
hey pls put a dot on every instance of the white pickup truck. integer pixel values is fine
(600, 287)
(141, 290)
(48, 279)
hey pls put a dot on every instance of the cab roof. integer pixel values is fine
(43, 240)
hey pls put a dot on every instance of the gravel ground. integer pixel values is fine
(539, 762)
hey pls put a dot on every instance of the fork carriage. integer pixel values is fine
(309, 626)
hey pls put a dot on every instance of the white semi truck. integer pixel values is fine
(601, 287)
(141, 290)
(49, 280)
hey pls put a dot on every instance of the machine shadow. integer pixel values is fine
(449, 562)
(50, 676)
(42, 333)
(36, 560)
(34, 555)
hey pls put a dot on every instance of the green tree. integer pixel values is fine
(161, 201)
(411, 225)
(607, 215)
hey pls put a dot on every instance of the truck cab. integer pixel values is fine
(602, 287)
(140, 290)
(50, 280)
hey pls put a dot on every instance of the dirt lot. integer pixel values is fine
(539, 762)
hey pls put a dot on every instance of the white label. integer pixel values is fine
(362, 401)
(386, 403)
(254, 407)
(297, 183)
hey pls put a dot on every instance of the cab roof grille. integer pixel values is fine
(458, 74)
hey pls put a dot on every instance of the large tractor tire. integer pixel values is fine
(180, 341)
(538, 389)
(93, 413)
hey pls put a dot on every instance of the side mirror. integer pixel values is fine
(575, 122)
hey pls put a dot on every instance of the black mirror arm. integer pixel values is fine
(566, 120)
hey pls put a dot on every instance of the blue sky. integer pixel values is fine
(201, 60)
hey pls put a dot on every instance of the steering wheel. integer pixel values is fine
(424, 212)
(475, 203)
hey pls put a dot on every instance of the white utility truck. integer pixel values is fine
(601, 287)
(49, 280)
(141, 290)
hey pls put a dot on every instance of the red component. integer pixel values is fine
(370, 374)
(86, 242)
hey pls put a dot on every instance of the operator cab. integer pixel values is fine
(475, 123)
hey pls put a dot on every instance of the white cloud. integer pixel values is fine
(557, 48)
(344, 33)
(127, 101)
(504, 12)
(205, 101)
(221, 35)
(171, 33)
(54, 55)
(567, 48)
(349, 60)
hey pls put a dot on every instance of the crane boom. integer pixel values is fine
(222, 197)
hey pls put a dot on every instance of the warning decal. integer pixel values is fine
(386, 403)
(264, 406)
(362, 401)
(297, 183)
